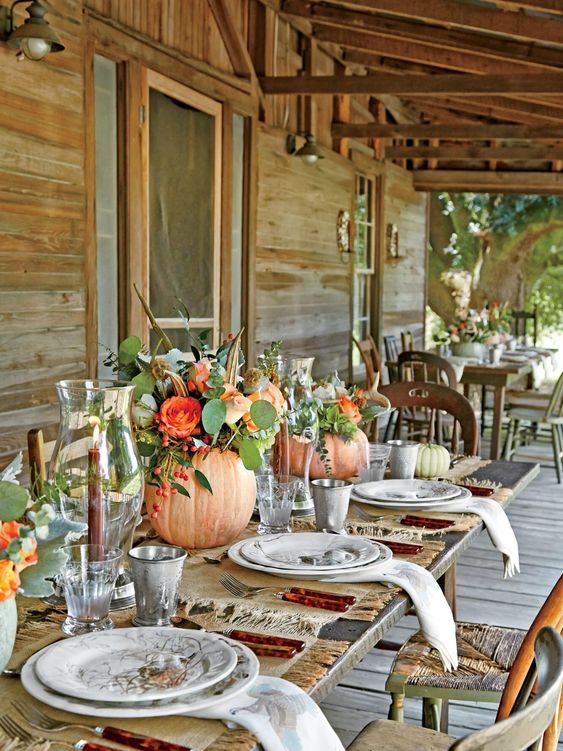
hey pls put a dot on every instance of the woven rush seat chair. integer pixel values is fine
(531, 725)
(487, 654)
(525, 421)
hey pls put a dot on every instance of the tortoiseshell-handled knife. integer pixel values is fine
(133, 740)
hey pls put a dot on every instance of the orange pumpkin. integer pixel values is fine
(206, 520)
(345, 458)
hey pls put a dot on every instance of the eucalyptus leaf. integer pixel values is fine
(263, 414)
(51, 560)
(250, 455)
(202, 479)
(129, 349)
(144, 384)
(145, 449)
(213, 416)
(13, 501)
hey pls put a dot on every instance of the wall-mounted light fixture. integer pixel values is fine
(34, 38)
(310, 153)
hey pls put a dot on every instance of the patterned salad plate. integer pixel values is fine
(415, 505)
(245, 672)
(310, 551)
(407, 490)
(135, 664)
(236, 556)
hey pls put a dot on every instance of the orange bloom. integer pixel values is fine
(349, 409)
(10, 531)
(270, 393)
(199, 373)
(9, 580)
(236, 403)
(180, 416)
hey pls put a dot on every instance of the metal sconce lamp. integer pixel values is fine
(34, 38)
(310, 153)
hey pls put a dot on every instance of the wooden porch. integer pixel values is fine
(482, 597)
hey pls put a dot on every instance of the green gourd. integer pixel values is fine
(432, 460)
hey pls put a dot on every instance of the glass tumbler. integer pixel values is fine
(87, 579)
(275, 494)
(378, 456)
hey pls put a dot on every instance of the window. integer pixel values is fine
(184, 207)
(364, 241)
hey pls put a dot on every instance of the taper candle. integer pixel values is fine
(95, 501)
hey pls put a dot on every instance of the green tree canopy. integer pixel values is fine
(488, 247)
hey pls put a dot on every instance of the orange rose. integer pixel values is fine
(199, 373)
(349, 409)
(180, 415)
(9, 580)
(272, 394)
(10, 531)
(236, 403)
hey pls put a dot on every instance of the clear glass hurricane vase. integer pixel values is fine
(95, 419)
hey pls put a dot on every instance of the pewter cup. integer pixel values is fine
(331, 499)
(157, 573)
(402, 460)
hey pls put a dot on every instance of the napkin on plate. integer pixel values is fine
(497, 524)
(434, 614)
(280, 714)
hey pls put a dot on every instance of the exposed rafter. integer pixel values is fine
(474, 153)
(439, 85)
(481, 181)
(451, 131)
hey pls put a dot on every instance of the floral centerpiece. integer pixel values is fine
(201, 427)
(498, 317)
(468, 335)
(30, 549)
(342, 446)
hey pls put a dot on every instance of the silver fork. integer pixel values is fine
(38, 719)
(365, 515)
(15, 731)
(240, 589)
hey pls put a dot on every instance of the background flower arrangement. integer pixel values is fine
(470, 329)
(190, 404)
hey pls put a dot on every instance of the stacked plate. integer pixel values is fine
(408, 495)
(140, 672)
(308, 555)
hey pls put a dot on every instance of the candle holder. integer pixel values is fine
(97, 468)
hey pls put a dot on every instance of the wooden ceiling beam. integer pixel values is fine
(546, 183)
(545, 6)
(488, 46)
(467, 153)
(506, 108)
(474, 18)
(368, 48)
(438, 85)
(450, 131)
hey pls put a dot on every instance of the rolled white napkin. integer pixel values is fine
(434, 614)
(497, 524)
(280, 714)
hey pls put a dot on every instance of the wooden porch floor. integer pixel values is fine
(483, 596)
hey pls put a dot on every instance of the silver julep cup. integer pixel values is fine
(402, 460)
(331, 499)
(157, 572)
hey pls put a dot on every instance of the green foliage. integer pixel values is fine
(249, 453)
(263, 414)
(144, 384)
(213, 416)
(13, 501)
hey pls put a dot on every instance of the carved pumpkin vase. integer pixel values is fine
(204, 519)
(344, 458)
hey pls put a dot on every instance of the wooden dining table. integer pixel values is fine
(336, 648)
(499, 377)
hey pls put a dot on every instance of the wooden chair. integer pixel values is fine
(370, 358)
(430, 368)
(435, 396)
(520, 320)
(526, 728)
(487, 654)
(391, 356)
(528, 419)
(407, 341)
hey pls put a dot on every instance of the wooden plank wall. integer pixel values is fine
(42, 199)
(302, 281)
(404, 280)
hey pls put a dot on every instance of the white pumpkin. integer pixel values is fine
(432, 460)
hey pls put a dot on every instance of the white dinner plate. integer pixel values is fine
(235, 555)
(246, 671)
(309, 551)
(441, 505)
(135, 664)
(411, 491)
